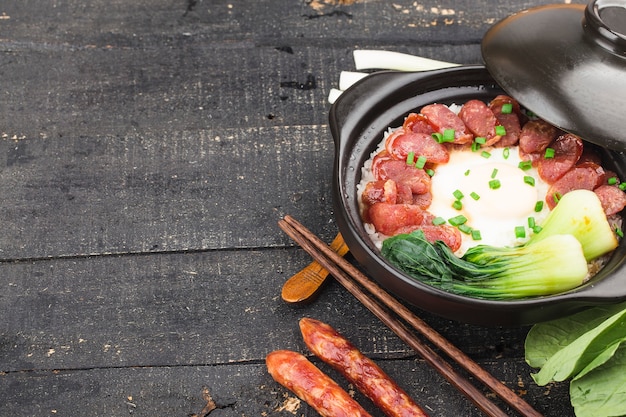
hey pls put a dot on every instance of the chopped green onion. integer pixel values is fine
(448, 135)
(421, 161)
(520, 232)
(619, 232)
(457, 205)
(529, 180)
(430, 172)
(437, 136)
(458, 194)
(485, 154)
(437, 221)
(467, 172)
(474, 196)
(556, 197)
(549, 153)
(410, 158)
(622, 186)
(465, 229)
(505, 153)
(525, 165)
(538, 206)
(507, 108)
(480, 140)
(612, 181)
(475, 146)
(458, 220)
(500, 130)
(494, 172)
(476, 235)
(537, 229)
(494, 184)
(531, 222)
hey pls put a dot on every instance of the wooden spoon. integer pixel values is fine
(305, 284)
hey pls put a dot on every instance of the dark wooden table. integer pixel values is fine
(149, 149)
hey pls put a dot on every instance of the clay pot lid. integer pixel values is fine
(567, 64)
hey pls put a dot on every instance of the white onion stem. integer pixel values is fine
(347, 78)
(389, 60)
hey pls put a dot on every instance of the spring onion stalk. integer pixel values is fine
(389, 60)
(550, 266)
(580, 214)
(348, 78)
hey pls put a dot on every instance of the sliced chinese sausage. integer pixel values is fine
(567, 151)
(423, 201)
(586, 176)
(442, 118)
(330, 346)
(536, 136)
(480, 120)
(613, 199)
(387, 218)
(295, 372)
(511, 120)
(380, 192)
(400, 144)
(399, 171)
(417, 123)
(449, 235)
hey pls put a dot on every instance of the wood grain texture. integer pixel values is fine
(147, 150)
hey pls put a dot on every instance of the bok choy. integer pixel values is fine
(553, 261)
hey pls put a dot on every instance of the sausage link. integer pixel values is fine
(361, 371)
(309, 383)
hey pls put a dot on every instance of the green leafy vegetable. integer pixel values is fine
(588, 348)
(580, 213)
(553, 265)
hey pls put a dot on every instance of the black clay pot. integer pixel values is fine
(358, 120)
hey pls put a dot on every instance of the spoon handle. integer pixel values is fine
(304, 285)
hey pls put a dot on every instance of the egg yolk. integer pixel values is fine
(492, 193)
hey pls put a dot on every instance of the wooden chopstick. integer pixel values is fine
(348, 276)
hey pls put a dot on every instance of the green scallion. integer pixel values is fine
(465, 229)
(531, 222)
(529, 180)
(500, 130)
(622, 186)
(476, 235)
(458, 194)
(549, 154)
(538, 206)
(421, 162)
(480, 140)
(457, 220)
(438, 137)
(485, 154)
(619, 232)
(612, 181)
(448, 135)
(457, 205)
(494, 172)
(525, 165)
(438, 221)
(410, 158)
(494, 184)
(430, 172)
(520, 232)
(474, 196)
(467, 172)
(506, 152)
(507, 108)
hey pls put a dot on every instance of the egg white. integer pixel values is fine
(497, 212)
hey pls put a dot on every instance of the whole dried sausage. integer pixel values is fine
(361, 371)
(299, 375)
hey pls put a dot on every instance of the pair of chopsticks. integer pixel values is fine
(383, 305)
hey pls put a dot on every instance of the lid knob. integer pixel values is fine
(605, 22)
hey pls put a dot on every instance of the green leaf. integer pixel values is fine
(576, 356)
(602, 391)
(545, 339)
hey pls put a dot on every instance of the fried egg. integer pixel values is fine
(491, 194)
